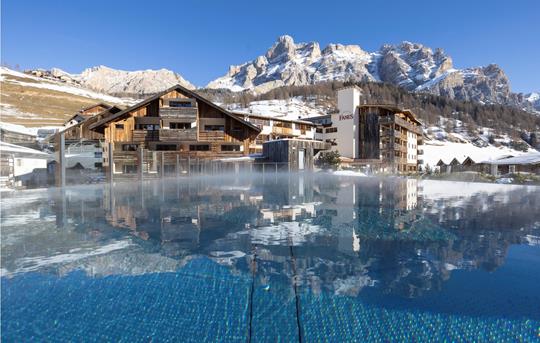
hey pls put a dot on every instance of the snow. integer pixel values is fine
(291, 109)
(447, 151)
(436, 80)
(531, 158)
(12, 148)
(348, 173)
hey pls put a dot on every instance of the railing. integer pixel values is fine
(167, 163)
(178, 113)
(211, 136)
(177, 135)
(140, 136)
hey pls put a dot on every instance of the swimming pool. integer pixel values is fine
(282, 258)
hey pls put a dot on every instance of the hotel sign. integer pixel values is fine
(345, 117)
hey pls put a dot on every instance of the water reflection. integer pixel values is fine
(399, 236)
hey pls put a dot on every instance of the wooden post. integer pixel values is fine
(61, 162)
(140, 170)
(189, 165)
(111, 162)
(177, 165)
(162, 164)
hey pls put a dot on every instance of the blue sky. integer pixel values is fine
(200, 39)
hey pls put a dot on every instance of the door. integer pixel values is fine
(301, 159)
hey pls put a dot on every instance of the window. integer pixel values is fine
(199, 147)
(98, 165)
(214, 128)
(179, 103)
(149, 127)
(119, 126)
(180, 126)
(331, 129)
(230, 147)
(98, 154)
(129, 169)
(319, 130)
(166, 147)
(130, 147)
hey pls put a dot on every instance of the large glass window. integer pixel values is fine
(180, 104)
(181, 126)
(214, 128)
(230, 147)
(199, 147)
(130, 147)
(166, 147)
(149, 127)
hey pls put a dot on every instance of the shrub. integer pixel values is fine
(328, 160)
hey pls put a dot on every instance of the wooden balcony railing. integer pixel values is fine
(174, 135)
(189, 113)
(140, 136)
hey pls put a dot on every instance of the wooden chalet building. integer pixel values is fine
(78, 126)
(86, 113)
(177, 123)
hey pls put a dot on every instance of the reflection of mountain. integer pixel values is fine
(339, 235)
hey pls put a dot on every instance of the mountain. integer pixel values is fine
(412, 66)
(118, 82)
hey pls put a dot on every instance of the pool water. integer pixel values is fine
(280, 258)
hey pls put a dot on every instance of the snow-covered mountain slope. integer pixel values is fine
(118, 82)
(294, 108)
(35, 101)
(411, 66)
(533, 99)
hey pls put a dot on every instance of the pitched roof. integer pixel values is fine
(160, 94)
(393, 108)
(102, 104)
(530, 158)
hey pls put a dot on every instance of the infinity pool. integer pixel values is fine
(283, 258)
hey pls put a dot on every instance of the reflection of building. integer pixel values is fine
(364, 232)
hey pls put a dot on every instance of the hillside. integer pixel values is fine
(34, 101)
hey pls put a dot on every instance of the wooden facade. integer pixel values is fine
(82, 132)
(295, 154)
(86, 113)
(387, 136)
(273, 128)
(178, 121)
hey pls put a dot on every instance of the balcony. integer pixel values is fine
(175, 135)
(187, 113)
(140, 136)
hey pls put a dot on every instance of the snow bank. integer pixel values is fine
(348, 173)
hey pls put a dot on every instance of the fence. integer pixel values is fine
(152, 164)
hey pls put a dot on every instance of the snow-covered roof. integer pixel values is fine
(18, 129)
(532, 158)
(21, 151)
